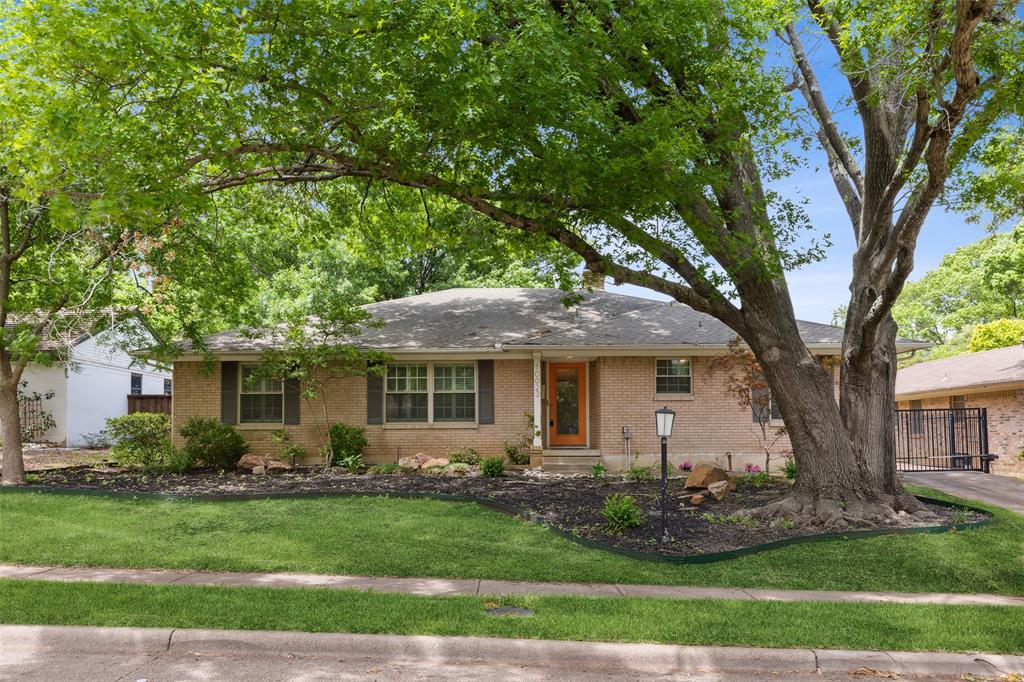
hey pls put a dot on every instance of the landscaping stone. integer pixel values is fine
(409, 463)
(275, 466)
(249, 462)
(697, 500)
(704, 474)
(720, 489)
(266, 465)
(436, 462)
(259, 470)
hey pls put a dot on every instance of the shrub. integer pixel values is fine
(518, 452)
(464, 456)
(621, 512)
(385, 469)
(789, 468)
(349, 443)
(599, 470)
(639, 474)
(209, 442)
(287, 450)
(493, 467)
(142, 439)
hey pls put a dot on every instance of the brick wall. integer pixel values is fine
(198, 393)
(1005, 424)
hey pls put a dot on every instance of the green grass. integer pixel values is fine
(713, 622)
(402, 537)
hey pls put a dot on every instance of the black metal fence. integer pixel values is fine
(942, 439)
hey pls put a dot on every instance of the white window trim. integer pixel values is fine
(675, 395)
(238, 407)
(430, 396)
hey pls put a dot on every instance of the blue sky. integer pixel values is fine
(819, 288)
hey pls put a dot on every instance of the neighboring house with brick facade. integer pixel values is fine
(993, 379)
(480, 367)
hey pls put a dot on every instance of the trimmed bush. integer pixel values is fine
(211, 443)
(493, 467)
(621, 512)
(349, 444)
(464, 456)
(142, 439)
(518, 452)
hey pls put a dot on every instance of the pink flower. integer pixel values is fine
(752, 469)
(686, 466)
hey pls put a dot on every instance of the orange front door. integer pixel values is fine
(567, 403)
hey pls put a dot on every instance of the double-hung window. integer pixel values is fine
(673, 376)
(454, 393)
(430, 392)
(261, 399)
(406, 395)
(136, 384)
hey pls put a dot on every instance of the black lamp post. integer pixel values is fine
(663, 418)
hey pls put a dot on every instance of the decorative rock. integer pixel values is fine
(422, 458)
(721, 488)
(259, 470)
(249, 462)
(704, 474)
(438, 462)
(275, 466)
(696, 500)
(410, 463)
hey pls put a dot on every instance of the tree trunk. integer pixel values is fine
(844, 451)
(10, 421)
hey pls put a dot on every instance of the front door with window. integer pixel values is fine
(567, 403)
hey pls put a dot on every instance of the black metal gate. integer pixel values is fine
(942, 440)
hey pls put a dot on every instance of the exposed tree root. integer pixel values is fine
(807, 510)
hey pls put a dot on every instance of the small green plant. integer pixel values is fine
(789, 468)
(783, 523)
(639, 474)
(141, 439)
(738, 519)
(32, 479)
(493, 467)
(757, 480)
(518, 451)
(960, 516)
(464, 456)
(620, 513)
(599, 470)
(457, 469)
(286, 449)
(385, 469)
(209, 442)
(178, 460)
(348, 443)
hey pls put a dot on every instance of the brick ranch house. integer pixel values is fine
(480, 367)
(993, 379)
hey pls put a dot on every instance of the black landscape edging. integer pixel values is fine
(510, 510)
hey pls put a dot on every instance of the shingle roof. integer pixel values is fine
(999, 366)
(481, 318)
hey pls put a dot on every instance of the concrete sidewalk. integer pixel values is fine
(445, 587)
(50, 652)
(1002, 491)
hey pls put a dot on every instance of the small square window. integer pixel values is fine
(136, 385)
(673, 376)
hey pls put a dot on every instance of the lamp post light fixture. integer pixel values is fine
(663, 420)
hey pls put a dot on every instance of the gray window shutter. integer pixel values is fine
(291, 401)
(374, 399)
(229, 392)
(759, 404)
(485, 390)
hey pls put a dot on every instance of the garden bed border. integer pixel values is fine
(511, 510)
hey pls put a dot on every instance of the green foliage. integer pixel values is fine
(783, 523)
(738, 519)
(620, 513)
(960, 516)
(352, 462)
(997, 334)
(387, 469)
(459, 468)
(599, 470)
(493, 467)
(209, 442)
(464, 456)
(287, 450)
(757, 480)
(349, 443)
(142, 439)
(639, 474)
(789, 468)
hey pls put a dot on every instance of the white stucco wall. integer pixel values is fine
(41, 379)
(98, 383)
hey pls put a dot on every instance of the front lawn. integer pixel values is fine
(401, 537)
(711, 622)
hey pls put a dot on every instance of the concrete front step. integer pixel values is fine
(570, 461)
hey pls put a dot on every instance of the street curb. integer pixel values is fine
(522, 653)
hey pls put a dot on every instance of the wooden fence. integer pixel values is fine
(159, 403)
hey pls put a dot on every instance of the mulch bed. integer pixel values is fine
(570, 503)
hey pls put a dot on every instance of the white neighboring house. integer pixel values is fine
(92, 385)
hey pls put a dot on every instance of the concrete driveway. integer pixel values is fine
(1003, 491)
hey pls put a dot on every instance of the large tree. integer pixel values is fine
(644, 136)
